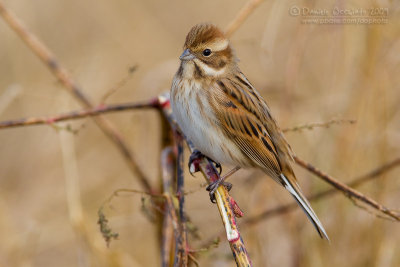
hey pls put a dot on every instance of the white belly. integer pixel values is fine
(200, 127)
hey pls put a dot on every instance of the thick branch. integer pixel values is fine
(62, 75)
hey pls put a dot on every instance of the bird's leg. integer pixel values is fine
(212, 187)
(194, 162)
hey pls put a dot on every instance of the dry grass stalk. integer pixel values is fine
(243, 14)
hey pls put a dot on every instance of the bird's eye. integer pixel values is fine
(206, 52)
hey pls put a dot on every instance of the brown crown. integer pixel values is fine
(202, 33)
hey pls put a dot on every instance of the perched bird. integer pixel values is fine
(223, 115)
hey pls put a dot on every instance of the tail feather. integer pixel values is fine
(303, 203)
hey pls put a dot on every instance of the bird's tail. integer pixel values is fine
(294, 189)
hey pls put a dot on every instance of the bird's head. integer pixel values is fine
(207, 51)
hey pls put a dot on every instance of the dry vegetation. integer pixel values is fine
(54, 178)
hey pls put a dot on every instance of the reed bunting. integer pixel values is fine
(223, 115)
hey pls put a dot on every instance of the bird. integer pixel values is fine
(226, 118)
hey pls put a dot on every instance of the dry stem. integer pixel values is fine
(182, 255)
(78, 114)
(311, 126)
(243, 14)
(348, 191)
(169, 228)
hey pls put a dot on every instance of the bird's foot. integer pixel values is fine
(194, 162)
(218, 166)
(212, 188)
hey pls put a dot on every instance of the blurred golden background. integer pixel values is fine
(53, 181)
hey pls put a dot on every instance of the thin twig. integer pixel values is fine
(118, 85)
(194, 260)
(243, 14)
(311, 126)
(348, 191)
(213, 244)
(73, 115)
(117, 193)
(326, 193)
(63, 77)
(106, 231)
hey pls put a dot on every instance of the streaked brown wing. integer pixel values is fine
(245, 119)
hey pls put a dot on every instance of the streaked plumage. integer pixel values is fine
(224, 116)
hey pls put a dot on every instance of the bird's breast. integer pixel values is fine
(197, 120)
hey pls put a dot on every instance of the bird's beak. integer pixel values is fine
(186, 55)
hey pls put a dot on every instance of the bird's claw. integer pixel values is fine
(218, 166)
(194, 166)
(194, 162)
(212, 188)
